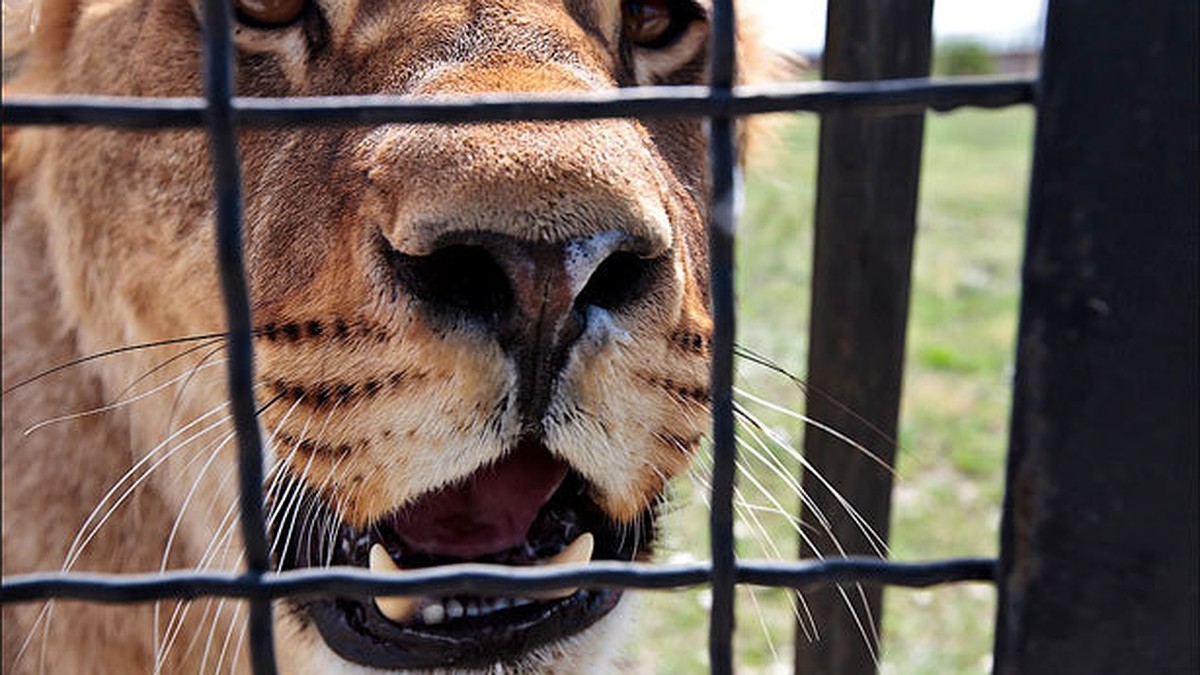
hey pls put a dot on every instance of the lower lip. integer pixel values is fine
(358, 633)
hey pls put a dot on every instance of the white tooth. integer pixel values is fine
(454, 609)
(433, 614)
(397, 608)
(578, 551)
(381, 560)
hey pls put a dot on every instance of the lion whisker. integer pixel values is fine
(877, 542)
(218, 546)
(818, 425)
(118, 403)
(293, 500)
(775, 465)
(337, 515)
(212, 631)
(175, 529)
(237, 649)
(193, 371)
(796, 602)
(276, 470)
(296, 496)
(762, 620)
(749, 510)
(107, 353)
(33, 633)
(332, 516)
(808, 389)
(233, 622)
(78, 546)
(758, 449)
(291, 495)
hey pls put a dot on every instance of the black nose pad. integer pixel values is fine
(505, 283)
(534, 296)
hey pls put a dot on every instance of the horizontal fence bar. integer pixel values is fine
(884, 97)
(479, 579)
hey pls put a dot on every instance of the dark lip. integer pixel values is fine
(356, 630)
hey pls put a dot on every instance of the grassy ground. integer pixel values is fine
(955, 406)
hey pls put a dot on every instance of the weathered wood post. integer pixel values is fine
(1099, 545)
(866, 211)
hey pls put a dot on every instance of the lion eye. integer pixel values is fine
(271, 12)
(652, 23)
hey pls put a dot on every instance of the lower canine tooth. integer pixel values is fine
(578, 551)
(396, 608)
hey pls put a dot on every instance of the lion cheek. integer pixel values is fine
(616, 426)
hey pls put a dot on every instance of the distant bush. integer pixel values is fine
(963, 58)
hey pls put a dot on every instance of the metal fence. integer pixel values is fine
(222, 114)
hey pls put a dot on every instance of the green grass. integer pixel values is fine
(955, 402)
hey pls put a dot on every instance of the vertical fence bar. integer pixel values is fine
(218, 80)
(722, 225)
(1101, 521)
(865, 221)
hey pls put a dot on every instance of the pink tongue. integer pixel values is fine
(489, 512)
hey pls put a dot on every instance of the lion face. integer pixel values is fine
(478, 343)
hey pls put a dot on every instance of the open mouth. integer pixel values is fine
(527, 509)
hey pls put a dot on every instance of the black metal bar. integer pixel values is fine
(867, 571)
(1100, 533)
(451, 579)
(218, 85)
(865, 223)
(721, 232)
(889, 97)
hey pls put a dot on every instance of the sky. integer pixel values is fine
(799, 25)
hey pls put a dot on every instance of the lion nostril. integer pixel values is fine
(621, 279)
(465, 279)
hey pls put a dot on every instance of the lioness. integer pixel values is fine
(474, 343)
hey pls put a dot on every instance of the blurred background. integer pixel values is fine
(959, 363)
(798, 26)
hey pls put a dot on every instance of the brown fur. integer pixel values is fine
(107, 242)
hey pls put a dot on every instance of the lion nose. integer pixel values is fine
(536, 297)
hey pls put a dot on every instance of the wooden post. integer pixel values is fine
(1100, 539)
(865, 220)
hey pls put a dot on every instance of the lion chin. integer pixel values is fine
(484, 343)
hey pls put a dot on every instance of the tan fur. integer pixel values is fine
(107, 242)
